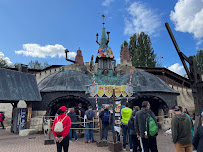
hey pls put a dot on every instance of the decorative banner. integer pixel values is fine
(123, 90)
(129, 89)
(117, 91)
(100, 90)
(109, 91)
(93, 89)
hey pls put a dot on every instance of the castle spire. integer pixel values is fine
(104, 41)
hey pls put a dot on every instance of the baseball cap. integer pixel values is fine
(63, 108)
(176, 108)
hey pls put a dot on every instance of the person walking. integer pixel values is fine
(60, 129)
(2, 117)
(133, 135)
(141, 120)
(105, 117)
(73, 118)
(89, 115)
(125, 114)
(181, 127)
(198, 138)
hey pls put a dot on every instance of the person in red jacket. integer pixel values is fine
(62, 139)
(2, 117)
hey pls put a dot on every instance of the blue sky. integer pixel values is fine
(41, 29)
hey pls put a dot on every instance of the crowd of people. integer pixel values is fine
(139, 128)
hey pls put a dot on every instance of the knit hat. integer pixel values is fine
(63, 108)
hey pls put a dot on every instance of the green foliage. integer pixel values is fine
(3, 63)
(16, 65)
(199, 60)
(141, 52)
(37, 65)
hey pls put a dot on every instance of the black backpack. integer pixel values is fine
(106, 116)
(2, 116)
(89, 115)
(82, 112)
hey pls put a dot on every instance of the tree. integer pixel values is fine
(16, 65)
(141, 52)
(46, 64)
(37, 65)
(3, 63)
(199, 60)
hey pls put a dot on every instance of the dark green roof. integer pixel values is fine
(15, 86)
(68, 80)
(71, 80)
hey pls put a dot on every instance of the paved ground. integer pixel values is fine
(10, 142)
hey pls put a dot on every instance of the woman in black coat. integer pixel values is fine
(198, 139)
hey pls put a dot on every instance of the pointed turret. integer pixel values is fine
(105, 57)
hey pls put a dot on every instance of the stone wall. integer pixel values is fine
(37, 120)
(185, 99)
(41, 75)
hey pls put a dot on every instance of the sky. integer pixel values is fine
(42, 29)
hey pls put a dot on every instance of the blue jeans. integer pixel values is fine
(118, 136)
(89, 132)
(105, 128)
(74, 132)
(125, 131)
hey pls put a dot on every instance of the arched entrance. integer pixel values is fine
(68, 101)
(156, 103)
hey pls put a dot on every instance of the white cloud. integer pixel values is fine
(188, 17)
(118, 60)
(107, 2)
(5, 58)
(177, 68)
(141, 18)
(35, 50)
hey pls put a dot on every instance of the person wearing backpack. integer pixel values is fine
(89, 115)
(105, 117)
(73, 118)
(133, 135)
(181, 127)
(146, 128)
(2, 117)
(125, 114)
(61, 128)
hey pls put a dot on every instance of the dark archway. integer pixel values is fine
(69, 102)
(155, 102)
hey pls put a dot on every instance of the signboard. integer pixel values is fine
(22, 118)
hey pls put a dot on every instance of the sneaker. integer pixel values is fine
(70, 140)
(86, 142)
(131, 149)
(76, 140)
(93, 141)
(124, 149)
